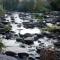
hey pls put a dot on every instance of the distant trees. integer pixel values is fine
(30, 5)
(25, 5)
(40, 6)
(55, 5)
(13, 5)
(10, 4)
(34, 5)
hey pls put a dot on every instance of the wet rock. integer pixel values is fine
(19, 39)
(40, 35)
(12, 18)
(37, 36)
(38, 58)
(21, 35)
(58, 37)
(31, 58)
(57, 52)
(19, 25)
(39, 48)
(38, 51)
(27, 35)
(8, 36)
(28, 40)
(5, 57)
(22, 55)
(9, 53)
(57, 44)
(1, 25)
(22, 45)
(28, 25)
(48, 35)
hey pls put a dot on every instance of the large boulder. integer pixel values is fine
(22, 55)
(9, 53)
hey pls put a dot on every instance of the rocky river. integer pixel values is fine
(26, 38)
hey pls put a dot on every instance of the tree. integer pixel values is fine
(26, 5)
(40, 6)
(55, 5)
(10, 4)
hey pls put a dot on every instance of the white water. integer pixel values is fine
(22, 30)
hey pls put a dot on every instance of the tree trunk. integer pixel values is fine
(47, 54)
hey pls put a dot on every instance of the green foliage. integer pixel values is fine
(1, 11)
(10, 4)
(55, 4)
(40, 6)
(7, 28)
(25, 5)
(37, 16)
(1, 46)
(53, 29)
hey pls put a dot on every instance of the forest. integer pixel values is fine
(29, 5)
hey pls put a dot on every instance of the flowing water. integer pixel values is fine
(15, 46)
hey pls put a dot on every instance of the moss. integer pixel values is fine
(53, 29)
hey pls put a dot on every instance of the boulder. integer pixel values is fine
(27, 35)
(28, 40)
(22, 55)
(9, 53)
(57, 44)
(31, 58)
(19, 39)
